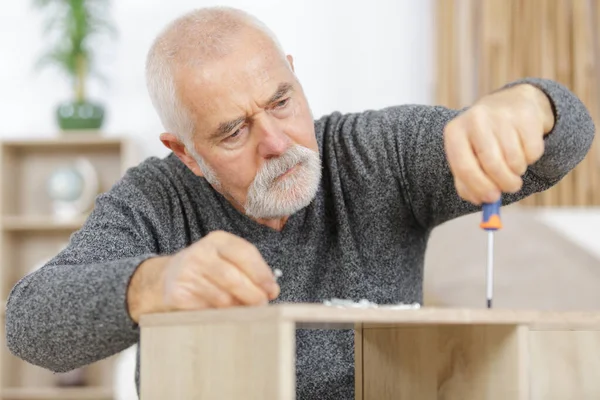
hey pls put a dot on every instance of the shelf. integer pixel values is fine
(79, 393)
(39, 224)
(31, 236)
(64, 142)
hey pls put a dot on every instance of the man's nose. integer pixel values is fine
(273, 141)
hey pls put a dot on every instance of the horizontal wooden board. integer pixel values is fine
(324, 316)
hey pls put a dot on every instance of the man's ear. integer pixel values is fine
(291, 61)
(173, 143)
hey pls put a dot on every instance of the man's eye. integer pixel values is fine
(282, 103)
(236, 134)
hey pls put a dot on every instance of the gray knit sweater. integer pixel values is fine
(385, 186)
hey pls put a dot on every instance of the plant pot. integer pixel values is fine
(80, 116)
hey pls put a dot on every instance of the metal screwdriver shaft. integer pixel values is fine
(491, 222)
(490, 269)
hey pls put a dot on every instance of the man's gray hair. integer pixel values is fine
(196, 37)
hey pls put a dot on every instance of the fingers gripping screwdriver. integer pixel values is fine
(491, 222)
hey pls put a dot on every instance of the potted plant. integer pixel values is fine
(74, 24)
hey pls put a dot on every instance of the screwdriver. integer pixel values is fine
(491, 222)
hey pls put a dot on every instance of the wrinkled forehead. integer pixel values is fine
(232, 85)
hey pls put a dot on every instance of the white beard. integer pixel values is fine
(270, 199)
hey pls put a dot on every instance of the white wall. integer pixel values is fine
(350, 55)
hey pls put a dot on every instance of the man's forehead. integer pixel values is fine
(228, 113)
(224, 79)
(217, 97)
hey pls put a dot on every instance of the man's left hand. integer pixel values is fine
(490, 146)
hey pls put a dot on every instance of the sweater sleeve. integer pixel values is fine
(73, 310)
(427, 180)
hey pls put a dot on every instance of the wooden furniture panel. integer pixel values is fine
(426, 353)
(228, 360)
(399, 361)
(57, 394)
(449, 362)
(564, 365)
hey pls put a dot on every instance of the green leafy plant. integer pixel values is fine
(74, 27)
(76, 23)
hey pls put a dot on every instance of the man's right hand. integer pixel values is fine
(220, 270)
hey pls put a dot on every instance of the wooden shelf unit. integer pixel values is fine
(37, 223)
(423, 354)
(30, 235)
(88, 393)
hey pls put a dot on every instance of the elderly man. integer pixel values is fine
(343, 205)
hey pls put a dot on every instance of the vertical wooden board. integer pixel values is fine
(477, 29)
(548, 39)
(517, 48)
(453, 62)
(592, 97)
(534, 42)
(594, 166)
(399, 363)
(594, 159)
(580, 47)
(530, 37)
(9, 176)
(7, 371)
(517, 54)
(245, 360)
(465, 43)
(548, 70)
(564, 365)
(495, 46)
(486, 48)
(590, 94)
(5, 244)
(501, 43)
(443, 24)
(483, 363)
(563, 33)
(358, 363)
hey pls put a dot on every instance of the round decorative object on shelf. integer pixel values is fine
(73, 189)
(65, 184)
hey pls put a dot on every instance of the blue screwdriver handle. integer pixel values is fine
(491, 216)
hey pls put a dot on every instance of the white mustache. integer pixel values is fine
(275, 167)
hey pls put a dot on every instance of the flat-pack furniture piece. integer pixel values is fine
(423, 353)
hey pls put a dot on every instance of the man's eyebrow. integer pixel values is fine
(226, 127)
(281, 91)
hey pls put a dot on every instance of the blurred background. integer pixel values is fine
(348, 57)
(75, 115)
